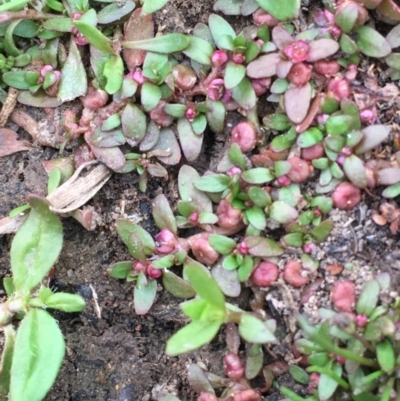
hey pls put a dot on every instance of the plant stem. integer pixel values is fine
(293, 396)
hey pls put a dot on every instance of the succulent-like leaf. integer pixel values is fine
(283, 12)
(282, 212)
(222, 244)
(199, 50)
(151, 6)
(256, 217)
(321, 49)
(114, 12)
(229, 7)
(322, 231)
(219, 27)
(355, 171)
(263, 247)
(244, 94)
(254, 330)
(227, 280)
(264, 66)
(234, 73)
(215, 115)
(297, 102)
(371, 43)
(169, 43)
(373, 135)
(386, 355)
(176, 286)
(167, 141)
(144, 294)
(162, 213)
(368, 298)
(6, 360)
(65, 302)
(213, 183)
(258, 175)
(190, 142)
(310, 137)
(120, 270)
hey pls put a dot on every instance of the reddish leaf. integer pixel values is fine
(139, 27)
(264, 66)
(9, 143)
(297, 102)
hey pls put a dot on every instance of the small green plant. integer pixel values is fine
(32, 354)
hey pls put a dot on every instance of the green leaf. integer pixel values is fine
(310, 137)
(234, 73)
(73, 81)
(36, 245)
(65, 302)
(282, 212)
(114, 73)
(368, 298)
(346, 18)
(371, 43)
(282, 11)
(355, 171)
(162, 214)
(213, 183)
(299, 374)
(258, 175)
(193, 336)
(120, 270)
(150, 96)
(94, 37)
(256, 217)
(337, 125)
(126, 228)
(322, 231)
(20, 79)
(244, 94)
(392, 191)
(215, 115)
(176, 286)
(199, 50)
(58, 24)
(205, 286)
(133, 123)
(263, 247)
(328, 385)
(254, 330)
(114, 12)
(222, 244)
(386, 356)
(170, 43)
(219, 27)
(144, 294)
(254, 361)
(151, 6)
(259, 197)
(39, 351)
(6, 360)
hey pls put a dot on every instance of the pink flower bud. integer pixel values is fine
(297, 51)
(185, 78)
(245, 135)
(238, 58)
(283, 181)
(313, 152)
(139, 266)
(137, 76)
(216, 89)
(340, 159)
(202, 249)
(346, 196)
(153, 273)
(317, 213)
(344, 296)
(80, 40)
(166, 241)
(242, 248)
(261, 85)
(265, 273)
(361, 320)
(247, 395)
(45, 69)
(339, 88)
(300, 170)
(322, 118)
(94, 98)
(233, 170)
(219, 58)
(233, 367)
(369, 116)
(228, 216)
(205, 396)
(193, 217)
(309, 247)
(351, 72)
(299, 74)
(314, 380)
(340, 359)
(190, 113)
(346, 152)
(327, 68)
(324, 18)
(260, 17)
(294, 274)
(336, 31)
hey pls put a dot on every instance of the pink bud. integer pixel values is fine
(152, 272)
(336, 31)
(339, 88)
(194, 216)
(283, 181)
(245, 135)
(228, 216)
(260, 17)
(361, 320)
(369, 116)
(185, 77)
(299, 74)
(300, 170)
(233, 367)
(45, 69)
(294, 275)
(313, 152)
(340, 159)
(297, 51)
(351, 72)
(139, 266)
(327, 68)
(238, 58)
(314, 380)
(94, 98)
(166, 241)
(317, 213)
(205, 396)
(261, 85)
(137, 76)
(233, 170)
(219, 58)
(242, 248)
(340, 359)
(216, 89)
(346, 196)
(190, 113)
(344, 296)
(80, 40)
(324, 18)
(202, 249)
(265, 273)
(247, 395)
(346, 152)
(309, 247)
(322, 118)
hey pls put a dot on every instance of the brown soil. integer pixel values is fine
(114, 354)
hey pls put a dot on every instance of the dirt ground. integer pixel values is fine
(115, 355)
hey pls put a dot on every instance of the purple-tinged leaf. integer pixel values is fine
(9, 143)
(371, 43)
(198, 380)
(282, 212)
(162, 214)
(227, 280)
(111, 157)
(346, 17)
(263, 247)
(388, 176)
(157, 170)
(133, 124)
(264, 66)
(151, 137)
(176, 286)
(191, 143)
(393, 37)
(229, 7)
(297, 102)
(355, 171)
(40, 99)
(244, 94)
(144, 294)
(107, 139)
(321, 49)
(167, 141)
(281, 37)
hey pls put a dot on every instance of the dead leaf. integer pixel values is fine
(10, 144)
